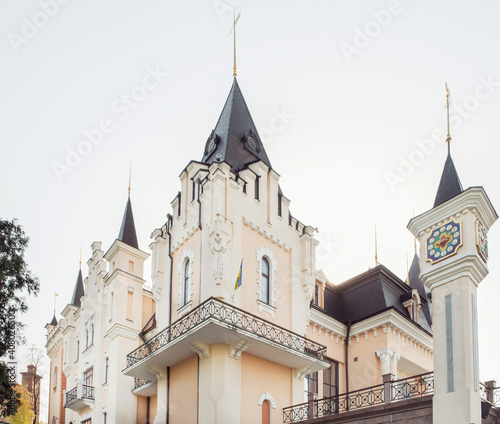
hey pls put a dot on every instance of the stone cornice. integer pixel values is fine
(119, 245)
(123, 331)
(474, 198)
(266, 234)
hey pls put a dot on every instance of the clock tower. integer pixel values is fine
(453, 261)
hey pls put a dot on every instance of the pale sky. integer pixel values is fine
(343, 94)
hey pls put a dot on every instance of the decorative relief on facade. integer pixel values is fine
(219, 239)
(444, 242)
(481, 240)
(267, 396)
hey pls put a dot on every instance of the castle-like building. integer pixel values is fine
(281, 343)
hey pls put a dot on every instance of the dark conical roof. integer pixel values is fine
(450, 184)
(78, 292)
(415, 282)
(54, 321)
(235, 137)
(127, 230)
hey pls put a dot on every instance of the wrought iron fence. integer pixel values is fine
(87, 392)
(412, 387)
(231, 316)
(71, 395)
(139, 382)
(406, 388)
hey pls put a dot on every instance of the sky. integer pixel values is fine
(348, 97)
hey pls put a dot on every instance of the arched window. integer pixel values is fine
(265, 281)
(266, 412)
(185, 295)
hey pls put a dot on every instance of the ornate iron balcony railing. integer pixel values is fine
(411, 387)
(229, 315)
(406, 388)
(87, 392)
(71, 395)
(139, 382)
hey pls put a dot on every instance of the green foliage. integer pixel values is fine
(24, 414)
(7, 392)
(15, 279)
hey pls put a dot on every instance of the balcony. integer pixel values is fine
(144, 388)
(79, 398)
(392, 391)
(216, 322)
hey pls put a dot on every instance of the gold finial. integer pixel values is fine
(448, 137)
(376, 255)
(235, 20)
(55, 299)
(129, 178)
(407, 270)
(414, 238)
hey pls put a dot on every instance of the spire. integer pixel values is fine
(127, 231)
(54, 321)
(235, 139)
(450, 184)
(78, 292)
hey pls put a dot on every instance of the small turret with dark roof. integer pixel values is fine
(54, 321)
(78, 292)
(450, 184)
(235, 139)
(127, 231)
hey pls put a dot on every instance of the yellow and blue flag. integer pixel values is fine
(240, 275)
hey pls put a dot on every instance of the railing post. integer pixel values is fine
(387, 380)
(312, 400)
(490, 386)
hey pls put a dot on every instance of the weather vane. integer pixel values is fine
(233, 30)
(448, 137)
(55, 299)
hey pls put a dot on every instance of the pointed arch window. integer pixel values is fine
(265, 281)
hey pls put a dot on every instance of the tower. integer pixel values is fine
(453, 256)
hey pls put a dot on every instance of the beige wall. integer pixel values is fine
(258, 377)
(183, 392)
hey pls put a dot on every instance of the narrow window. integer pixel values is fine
(186, 283)
(257, 187)
(265, 281)
(194, 190)
(88, 377)
(130, 296)
(86, 338)
(244, 187)
(111, 306)
(77, 350)
(104, 417)
(280, 196)
(106, 368)
(92, 333)
(310, 385)
(179, 204)
(130, 266)
(330, 380)
(316, 294)
(266, 412)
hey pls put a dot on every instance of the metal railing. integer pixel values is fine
(139, 382)
(87, 392)
(412, 387)
(71, 395)
(392, 391)
(231, 316)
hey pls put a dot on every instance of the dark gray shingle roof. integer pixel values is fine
(450, 184)
(127, 231)
(78, 292)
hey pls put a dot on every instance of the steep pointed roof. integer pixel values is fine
(415, 282)
(54, 321)
(127, 231)
(78, 292)
(235, 139)
(450, 184)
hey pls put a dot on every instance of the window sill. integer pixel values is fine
(265, 307)
(185, 308)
